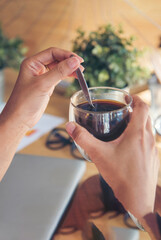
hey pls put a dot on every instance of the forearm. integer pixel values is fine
(11, 133)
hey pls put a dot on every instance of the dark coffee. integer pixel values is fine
(102, 106)
(102, 121)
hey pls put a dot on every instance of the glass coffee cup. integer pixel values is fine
(109, 117)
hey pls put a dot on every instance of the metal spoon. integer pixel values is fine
(83, 85)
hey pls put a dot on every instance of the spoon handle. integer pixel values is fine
(84, 86)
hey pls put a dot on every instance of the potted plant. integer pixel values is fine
(11, 55)
(109, 59)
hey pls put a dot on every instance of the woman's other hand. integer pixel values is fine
(128, 164)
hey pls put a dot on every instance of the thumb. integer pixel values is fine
(62, 70)
(85, 140)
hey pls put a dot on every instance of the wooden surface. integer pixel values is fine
(45, 23)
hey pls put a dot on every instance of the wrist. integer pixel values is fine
(12, 128)
(11, 134)
(11, 119)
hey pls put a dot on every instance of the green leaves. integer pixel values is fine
(11, 51)
(109, 58)
(103, 76)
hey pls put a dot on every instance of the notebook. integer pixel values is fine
(34, 194)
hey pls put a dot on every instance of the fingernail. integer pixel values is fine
(70, 126)
(73, 62)
(80, 58)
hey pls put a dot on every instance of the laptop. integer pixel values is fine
(34, 194)
(125, 233)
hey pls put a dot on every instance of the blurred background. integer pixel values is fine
(41, 24)
(45, 23)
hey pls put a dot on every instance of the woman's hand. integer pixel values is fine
(36, 81)
(128, 164)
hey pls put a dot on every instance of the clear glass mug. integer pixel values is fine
(104, 124)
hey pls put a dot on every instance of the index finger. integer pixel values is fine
(52, 55)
